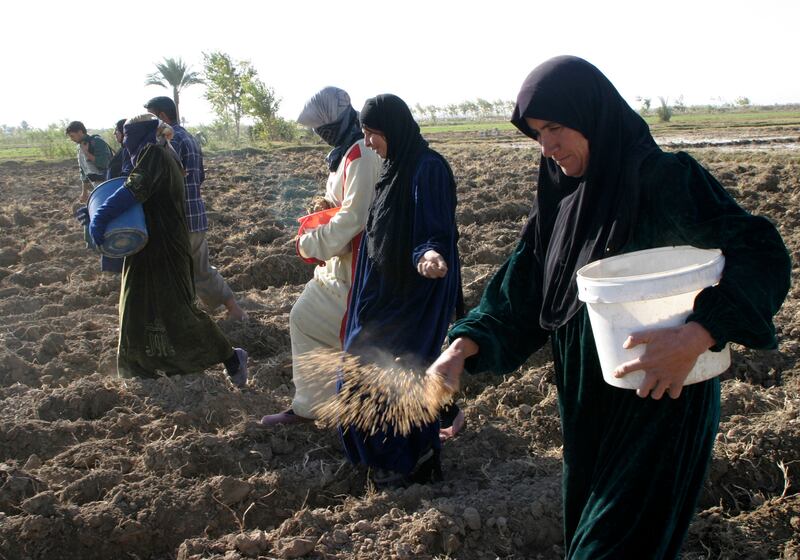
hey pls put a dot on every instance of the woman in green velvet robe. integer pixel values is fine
(161, 329)
(634, 462)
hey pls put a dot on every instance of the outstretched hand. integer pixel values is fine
(432, 265)
(450, 364)
(670, 356)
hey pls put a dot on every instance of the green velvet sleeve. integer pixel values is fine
(684, 204)
(505, 325)
(144, 178)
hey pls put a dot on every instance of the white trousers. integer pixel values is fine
(314, 323)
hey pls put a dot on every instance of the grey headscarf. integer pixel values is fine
(330, 114)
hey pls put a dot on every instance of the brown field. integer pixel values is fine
(93, 467)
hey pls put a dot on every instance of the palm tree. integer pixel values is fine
(175, 73)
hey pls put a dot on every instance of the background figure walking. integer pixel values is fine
(94, 156)
(161, 330)
(211, 288)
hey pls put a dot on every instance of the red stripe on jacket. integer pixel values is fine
(355, 243)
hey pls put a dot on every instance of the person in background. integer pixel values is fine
(212, 289)
(94, 156)
(120, 164)
(407, 283)
(634, 461)
(115, 167)
(317, 317)
(161, 329)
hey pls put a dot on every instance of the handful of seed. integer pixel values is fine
(389, 396)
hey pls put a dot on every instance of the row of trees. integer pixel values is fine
(665, 110)
(480, 109)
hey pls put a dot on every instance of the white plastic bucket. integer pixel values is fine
(643, 290)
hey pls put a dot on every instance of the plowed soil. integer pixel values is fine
(94, 467)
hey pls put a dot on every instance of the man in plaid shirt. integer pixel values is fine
(210, 286)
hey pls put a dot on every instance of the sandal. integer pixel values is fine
(384, 479)
(427, 469)
(288, 416)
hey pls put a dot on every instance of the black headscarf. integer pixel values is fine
(575, 221)
(341, 134)
(390, 219)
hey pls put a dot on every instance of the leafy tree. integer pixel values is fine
(500, 108)
(664, 112)
(261, 103)
(227, 84)
(173, 73)
(468, 108)
(645, 108)
(484, 107)
(742, 101)
(431, 111)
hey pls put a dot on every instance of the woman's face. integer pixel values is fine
(566, 146)
(376, 140)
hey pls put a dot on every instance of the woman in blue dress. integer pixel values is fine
(407, 283)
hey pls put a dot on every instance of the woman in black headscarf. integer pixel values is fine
(407, 283)
(633, 466)
(161, 329)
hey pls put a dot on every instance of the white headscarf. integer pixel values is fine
(325, 107)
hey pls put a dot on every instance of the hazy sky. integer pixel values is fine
(61, 63)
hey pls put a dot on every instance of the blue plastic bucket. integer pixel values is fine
(127, 233)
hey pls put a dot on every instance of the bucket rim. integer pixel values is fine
(715, 255)
(143, 237)
(651, 285)
(120, 180)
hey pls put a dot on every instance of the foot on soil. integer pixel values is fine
(237, 314)
(286, 417)
(458, 424)
(240, 377)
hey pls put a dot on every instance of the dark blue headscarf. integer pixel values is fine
(340, 134)
(137, 135)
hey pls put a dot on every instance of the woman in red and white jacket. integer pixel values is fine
(317, 317)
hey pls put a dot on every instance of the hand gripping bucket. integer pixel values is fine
(312, 221)
(127, 233)
(643, 290)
